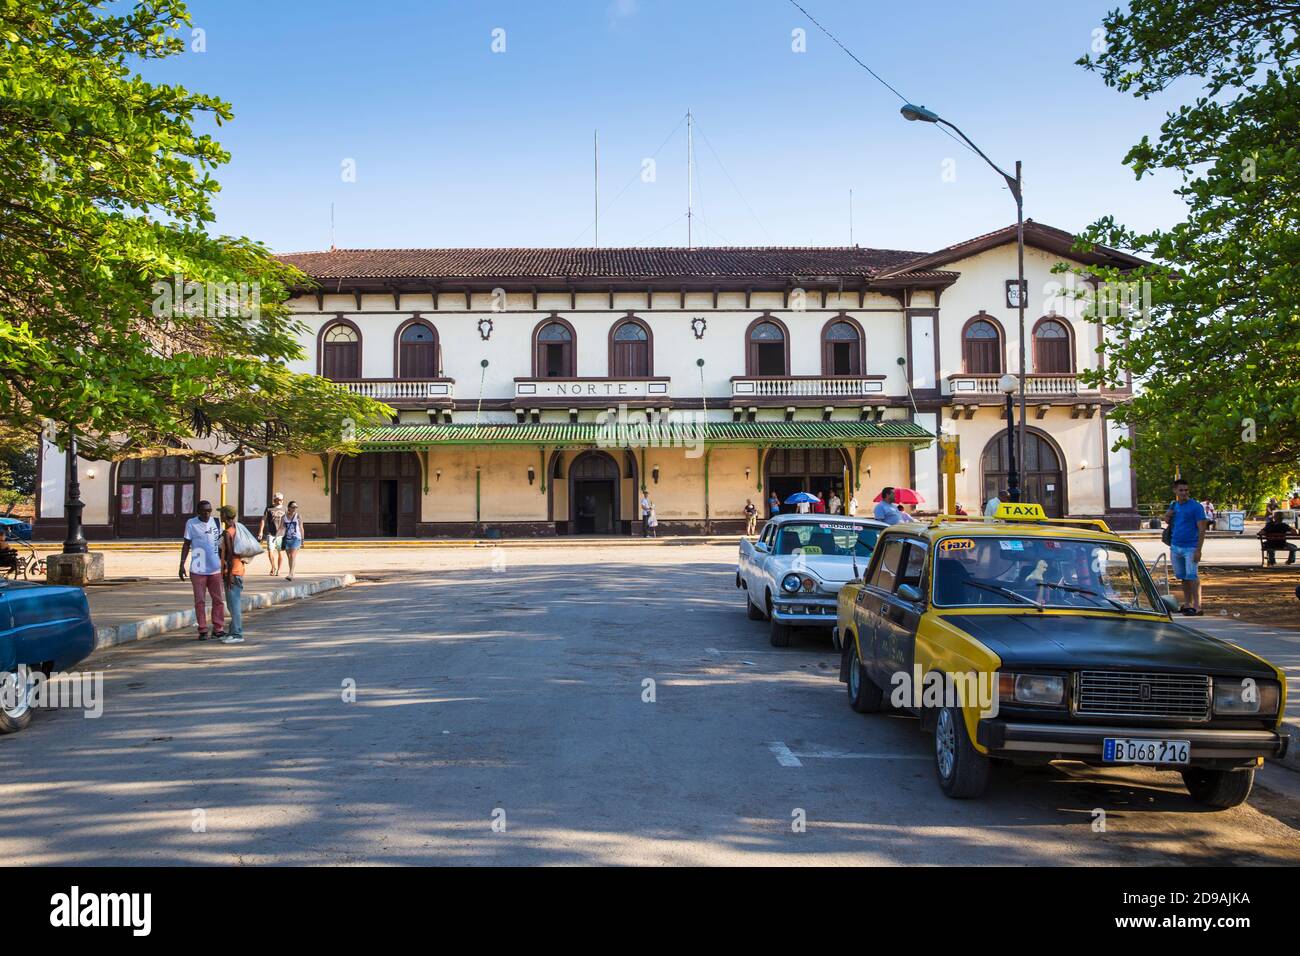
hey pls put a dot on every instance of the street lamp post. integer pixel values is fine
(1014, 183)
(75, 543)
(1008, 385)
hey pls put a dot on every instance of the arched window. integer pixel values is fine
(765, 353)
(341, 352)
(417, 351)
(554, 350)
(981, 347)
(1053, 350)
(841, 349)
(629, 350)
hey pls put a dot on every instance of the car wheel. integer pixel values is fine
(780, 634)
(864, 696)
(1220, 789)
(16, 699)
(963, 771)
(753, 613)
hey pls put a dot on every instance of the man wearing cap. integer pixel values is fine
(271, 531)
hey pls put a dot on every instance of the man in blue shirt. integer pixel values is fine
(1187, 522)
(887, 511)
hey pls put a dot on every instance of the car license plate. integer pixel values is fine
(1128, 750)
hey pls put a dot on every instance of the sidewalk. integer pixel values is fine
(1277, 645)
(133, 609)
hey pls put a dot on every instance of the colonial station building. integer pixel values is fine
(542, 391)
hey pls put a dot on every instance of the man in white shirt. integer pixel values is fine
(833, 506)
(991, 506)
(887, 511)
(852, 509)
(202, 535)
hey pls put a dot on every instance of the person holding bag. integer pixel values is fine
(237, 543)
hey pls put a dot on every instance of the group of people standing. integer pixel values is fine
(217, 570)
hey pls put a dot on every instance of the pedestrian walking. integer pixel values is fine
(751, 517)
(270, 531)
(773, 505)
(887, 511)
(646, 508)
(834, 505)
(1187, 524)
(293, 535)
(652, 521)
(232, 577)
(202, 534)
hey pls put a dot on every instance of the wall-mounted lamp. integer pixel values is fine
(868, 471)
(963, 467)
(437, 474)
(532, 474)
(654, 473)
(90, 472)
(314, 474)
(1082, 464)
(747, 471)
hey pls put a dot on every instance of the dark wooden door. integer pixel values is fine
(154, 497)
(378, 495)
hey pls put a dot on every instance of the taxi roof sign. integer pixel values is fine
(1019, 511)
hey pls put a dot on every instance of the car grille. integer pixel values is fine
(1124, 694)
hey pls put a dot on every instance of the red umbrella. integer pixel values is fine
(905, 496)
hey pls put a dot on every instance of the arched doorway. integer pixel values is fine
(1042, 476)
(377, 495)
(594, 480)
(154, 497)
(787, 470)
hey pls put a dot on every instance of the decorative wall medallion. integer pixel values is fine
(698, 325)
(485, 328)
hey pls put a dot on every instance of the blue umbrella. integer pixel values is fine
(801, 498)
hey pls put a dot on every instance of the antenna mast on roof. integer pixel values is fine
(690, 177)
(595, 145)
(850, 215)
(331, 227)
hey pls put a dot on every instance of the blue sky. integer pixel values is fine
(457, 145)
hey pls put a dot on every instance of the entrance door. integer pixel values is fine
(1042, 479)
(593, 494)
(155, 497)
(378, 495)
(804, 469)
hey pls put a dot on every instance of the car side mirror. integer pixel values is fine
(910, 593)
(1170, 603)
(760, 546)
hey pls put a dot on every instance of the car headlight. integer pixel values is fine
(794, 582)
(1246, 695)
(1046, 689)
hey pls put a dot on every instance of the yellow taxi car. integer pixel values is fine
(1022, 639)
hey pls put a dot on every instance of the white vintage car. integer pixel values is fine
(793, 573)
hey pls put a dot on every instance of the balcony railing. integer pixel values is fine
(402, 389)
(961, 385)
(808, 386)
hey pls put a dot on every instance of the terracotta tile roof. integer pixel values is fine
(656, 262)
(589, 433)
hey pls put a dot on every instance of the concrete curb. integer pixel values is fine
(111, 636)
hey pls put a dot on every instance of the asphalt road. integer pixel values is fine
(501, 716)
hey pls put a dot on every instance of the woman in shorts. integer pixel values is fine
(293, 535)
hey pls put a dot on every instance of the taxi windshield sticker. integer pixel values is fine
(809, 549)
(956, 544)
(1011, 545)
(838, 527)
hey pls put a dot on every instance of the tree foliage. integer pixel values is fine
(1218, 352)
(105, 197)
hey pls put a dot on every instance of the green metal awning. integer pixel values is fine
(795, 434)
